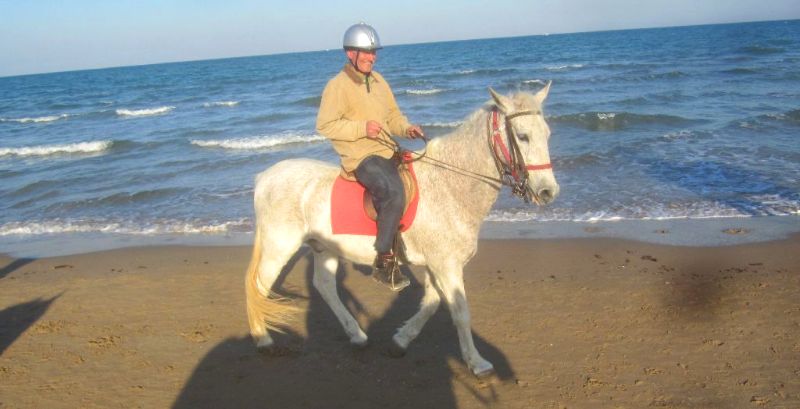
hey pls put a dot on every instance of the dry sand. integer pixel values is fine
(584, 323)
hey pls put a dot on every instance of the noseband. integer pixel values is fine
(508, 158)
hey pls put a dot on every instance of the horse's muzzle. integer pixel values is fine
(543, 196)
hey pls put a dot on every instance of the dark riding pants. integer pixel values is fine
(382, 180)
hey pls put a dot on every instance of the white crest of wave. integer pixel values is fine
(454, 124)
(540, 82)
(221, 104)
(46, 150)
(259, 142)
(564, 67)
(144, 112)
(49, 118)
(424, 91)
(86, 226)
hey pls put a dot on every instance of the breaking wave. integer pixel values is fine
(47, 150)
(258, 142)
(49, 118)
(100, 226)
(612, 121)
(221, 104)
(144, 112)
(431, 91)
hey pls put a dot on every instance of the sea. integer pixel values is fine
(682, 123)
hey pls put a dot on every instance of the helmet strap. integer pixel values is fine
(354, 63)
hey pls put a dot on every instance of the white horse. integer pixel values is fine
(459, 177)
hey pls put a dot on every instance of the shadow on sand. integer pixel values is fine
(324, 371)
(18, 318)
(14, 265)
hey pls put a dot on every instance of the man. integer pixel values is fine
(358, 113)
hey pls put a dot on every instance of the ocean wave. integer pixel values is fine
(764, 205)
(118, 199)
(792, 116)
(486, 71)
(47, 150)
(221, 104)
(49, 118)
(740, 71)
(144, 112)
(761, 50)
(534, 82)
(309, 101)
(58, 226)
(447, 125)
(563, 67)
(612, 121)
(431, 91)
(259, 142)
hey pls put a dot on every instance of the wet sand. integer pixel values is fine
(578, 323)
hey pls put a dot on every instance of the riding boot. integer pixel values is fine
(386, 271)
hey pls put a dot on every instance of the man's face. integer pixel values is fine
(363, 60)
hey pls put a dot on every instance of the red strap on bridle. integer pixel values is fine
(510, 161)
(498, 142)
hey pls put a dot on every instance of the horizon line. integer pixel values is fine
(280, 53)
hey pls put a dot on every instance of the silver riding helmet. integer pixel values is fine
(361, 37)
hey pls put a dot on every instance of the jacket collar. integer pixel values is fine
(357, 77)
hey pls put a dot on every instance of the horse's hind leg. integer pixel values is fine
(273, 250)
(325, 266)
(411, 329)
(451, 284)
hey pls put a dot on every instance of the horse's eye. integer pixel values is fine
(523, 136)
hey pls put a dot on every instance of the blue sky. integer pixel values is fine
(59, 35)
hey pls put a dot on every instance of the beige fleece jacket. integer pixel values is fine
(346, 107)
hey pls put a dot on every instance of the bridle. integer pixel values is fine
(508, 158)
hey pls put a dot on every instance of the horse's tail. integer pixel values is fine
(264, 309)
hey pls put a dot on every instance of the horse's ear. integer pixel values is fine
(542, 94)
(501, 101)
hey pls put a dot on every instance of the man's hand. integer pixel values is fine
(414, 131)
(374, 129)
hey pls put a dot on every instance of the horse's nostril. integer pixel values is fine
(545, 195)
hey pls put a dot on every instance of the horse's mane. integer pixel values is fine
(522, 101)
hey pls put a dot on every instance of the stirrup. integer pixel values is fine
(386, 271)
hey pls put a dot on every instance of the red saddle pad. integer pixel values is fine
(347, 208)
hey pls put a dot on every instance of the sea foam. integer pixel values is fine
(221, 104)
(258, 142)
(47, 150)
(57, 226)
(49, 118)
(144, 112)
(424, 91)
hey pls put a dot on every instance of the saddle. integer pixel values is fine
(409, 187)
(352, 210)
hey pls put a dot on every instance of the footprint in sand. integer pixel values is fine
(736, 230)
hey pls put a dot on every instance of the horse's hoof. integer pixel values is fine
(359, 345)
(395, 351)
(266, 349)
(483, 373)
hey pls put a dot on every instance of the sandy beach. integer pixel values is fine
(573, 323)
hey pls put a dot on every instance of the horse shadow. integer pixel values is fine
(14, 265)
(322, 370)
(16, 319)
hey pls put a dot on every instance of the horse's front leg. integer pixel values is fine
(450, 281)
(411, 329)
